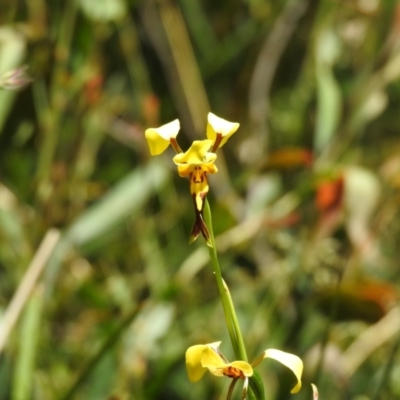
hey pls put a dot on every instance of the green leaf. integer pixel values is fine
(24, 372)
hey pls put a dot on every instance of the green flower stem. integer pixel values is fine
(227, 304)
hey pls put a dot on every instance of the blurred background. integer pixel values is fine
(305, 204)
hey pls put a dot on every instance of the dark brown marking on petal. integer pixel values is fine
(233, 372)
(198, 175)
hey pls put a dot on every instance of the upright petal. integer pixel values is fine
(160, 138)
(211, 360)
(219, 130)
(291, 361)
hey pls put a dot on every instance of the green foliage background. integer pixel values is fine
(305, 204)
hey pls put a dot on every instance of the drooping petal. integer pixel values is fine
(291, 361)
(193, 357)
(197, 154)
(193, 363)
(160, 138)
(199, 187)
(219, 130)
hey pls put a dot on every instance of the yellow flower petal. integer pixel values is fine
(197, 154)
(211, 360)
(193, 360)
(193, 363)
(159, 139)
(217, 125)
(199, 186)
(218, 367)
(243, 366)
(289, 360)
(185, 170)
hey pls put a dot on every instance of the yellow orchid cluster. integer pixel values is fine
(196, 163)
(200, 358)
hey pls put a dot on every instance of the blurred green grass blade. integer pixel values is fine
(14, 247)
(12, 231)
(328, 108)
(12, 52)
(153, 256)
(107, 347)
(28, 344)
(199, 25)
(220, 55)
(5, 376)
(138, 71)
(328, 91)
(124, 200)
(103, 377)
(92, 138)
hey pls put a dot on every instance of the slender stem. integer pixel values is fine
(230, 390)
(227, 304)
(235, 322)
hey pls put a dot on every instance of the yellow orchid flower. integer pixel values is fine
(200, 358)
(219, 130)
(196, 163)
(160, 138)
